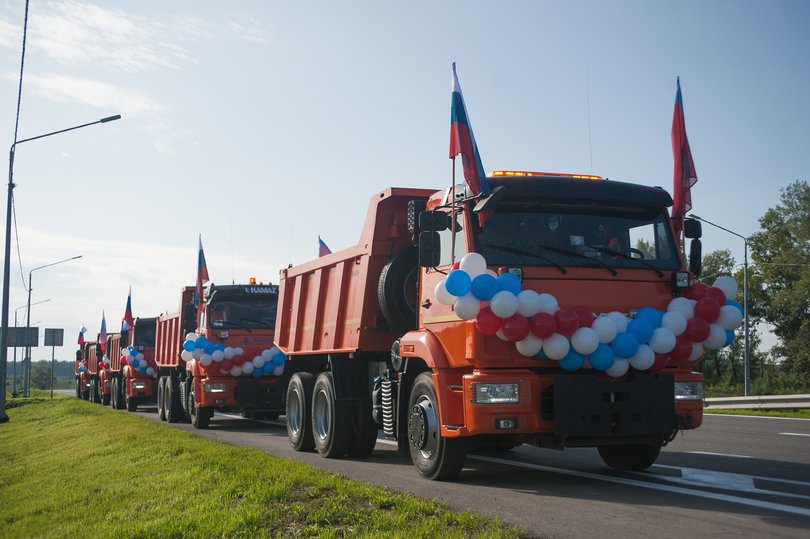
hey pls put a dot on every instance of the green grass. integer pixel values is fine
(801, 414)
(74, 469)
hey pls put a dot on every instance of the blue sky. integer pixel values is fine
(261, 125)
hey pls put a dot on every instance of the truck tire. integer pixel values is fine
(171, 394)
(105, 399)
(94, 395)
(629, 457)
(120, 393)
(78, 388)
(398, 291)
(299, 420)
(364, 432)
(331, 419)
(113, 391)
(435, 456)
(131, 403)
(161, 398)
(200, 417)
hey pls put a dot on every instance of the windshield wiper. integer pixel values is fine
(580, 255)
(522, 253)
(626, 256)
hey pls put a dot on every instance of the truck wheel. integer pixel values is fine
(200, 417)
(331, 419)
(78, 388)
(161, 398)
(120, 393)
(94, 396)
(299, 422)
(397, 289)
(105, 399)
(364, 433)
(171, 394)
(435, 456)
(132, 403)
(629, 457)
(113, 395)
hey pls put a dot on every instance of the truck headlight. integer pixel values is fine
(496, 393)
(688, 391)
(138, 385)
(214, 388)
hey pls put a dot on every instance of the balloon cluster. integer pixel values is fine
(218, 358)
(138, 362)
(104, 362)
(576, 337)
(82, 368)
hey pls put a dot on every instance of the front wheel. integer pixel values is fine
(200, 417)
(114, 393)
(299, 422)
(78, 388)
(95, 397)
(161, 398)
(131, 403)
(435, 456)
(629, 457)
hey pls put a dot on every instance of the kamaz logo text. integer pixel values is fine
(261, 289)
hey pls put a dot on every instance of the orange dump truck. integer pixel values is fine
(83, 380)
(132, 369)
(389, 334)
(97, 375)
(218, 357)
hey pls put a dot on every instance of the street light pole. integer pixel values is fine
(745, 300)
(7, 252)
(14, 376)
(27, 385)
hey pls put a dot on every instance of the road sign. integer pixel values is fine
(54, 337)
(20, 337)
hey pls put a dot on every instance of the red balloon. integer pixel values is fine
(697, 291)
(682, 350)
(488, 322)
(659, 363)
(716, 294)
(226, 365)
(697, 329)
(123, 360)
(567, 321)
(707, 309)
(542, 325)
(238, 361)
(457, 264)
(585, 317)
(516, 327)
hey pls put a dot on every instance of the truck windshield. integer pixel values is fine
(252, 313)
(581, 234)
(144, 335)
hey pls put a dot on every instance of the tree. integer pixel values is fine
(41, 375)
(781, 252)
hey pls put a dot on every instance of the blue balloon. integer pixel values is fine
(602, 358)
(132, 351)
(642, 329)
(484, 287)
(572, 361)
(268, 366)
(219, 346)
(188, 346)
(653, 316)
(142, 370)
(510, 282)
(736, 304)
(278, 359)
(625, 345)
(209, 348)
(729, 337)
(201, 341)
(457, 283)
(258, 373)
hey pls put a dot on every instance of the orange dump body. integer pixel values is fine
(170, 332)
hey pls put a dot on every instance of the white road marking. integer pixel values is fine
(720, 454)
(706, 412)
(793, 434)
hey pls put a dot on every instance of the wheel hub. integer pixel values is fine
(417, 427)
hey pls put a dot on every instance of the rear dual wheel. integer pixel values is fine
(299, 419)
(161, 398)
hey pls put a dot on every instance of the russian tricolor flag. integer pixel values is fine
(685, 174)
(323, 250)
(102, 338)
(81, 335)
(128, 321)
(202, 274)
(462, 141)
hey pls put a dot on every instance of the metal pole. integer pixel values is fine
(27, 359)
(745, 309)
(53, 352)
(6, 272)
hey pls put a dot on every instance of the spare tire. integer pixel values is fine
(398, 289)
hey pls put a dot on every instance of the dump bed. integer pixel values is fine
(171, 331)
(94, 355)
(331, 304)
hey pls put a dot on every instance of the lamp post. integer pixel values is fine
(14, 376)
(747, 352)
(7, 263)
(27, 384)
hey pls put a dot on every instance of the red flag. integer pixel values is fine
(128, 321)
(202, 275)
(685, 174)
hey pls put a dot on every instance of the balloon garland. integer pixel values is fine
(218, 358)
(703, 317)
(130, 355)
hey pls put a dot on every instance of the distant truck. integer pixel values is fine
(83, 377)
(203, 354)
(132, 385)
(371, 344)
(95, 377)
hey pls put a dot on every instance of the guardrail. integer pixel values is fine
(759, 402)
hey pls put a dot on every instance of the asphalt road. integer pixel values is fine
(735, 476)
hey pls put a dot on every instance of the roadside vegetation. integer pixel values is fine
(74, 469)
(799, 414)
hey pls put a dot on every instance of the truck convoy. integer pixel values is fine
(132, 366)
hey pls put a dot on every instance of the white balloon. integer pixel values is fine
(150, 371)
(503, 304)
(229, 352)
(467, 306)
(528, 303)
(236, 371)
(730, 317)
(697, 351)
(728, 285)
(258, 362)
(620, 320)
(585, 341)
(605, 328)
(662, 341)
(643, 358)
(717, 337)
(218, 355)
(267, 354)
(442, 295)
(140, 356)
(239, 351)
(556, 347)
(491, 273)
(548, 304)
(619, 367)
(474, 264)
(197, 353)
(675, 321)
(185, 355)
(683, 306)
(530, 346)
(278, 370)
(500, 335)
(192, 336)
(247, 368)
(206, 360)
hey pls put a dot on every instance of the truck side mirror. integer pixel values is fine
(429, 249)
(692, 229)
(433, 221)
(696, 257)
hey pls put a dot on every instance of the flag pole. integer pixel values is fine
(453, 214)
